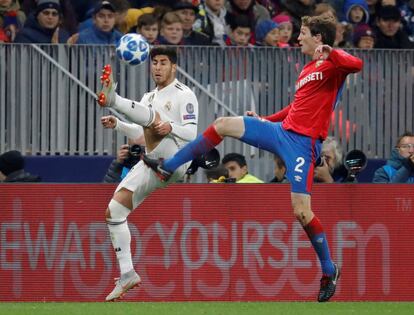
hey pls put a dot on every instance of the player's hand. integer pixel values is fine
(322, 51)
(73, 39)
(162, 128)
(123, 153)
(109, 121)
(251, 114)
(322, 174)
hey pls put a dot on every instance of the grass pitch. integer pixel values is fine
(207, 308)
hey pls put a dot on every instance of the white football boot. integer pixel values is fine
(126, 282)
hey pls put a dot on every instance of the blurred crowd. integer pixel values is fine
(360, 23)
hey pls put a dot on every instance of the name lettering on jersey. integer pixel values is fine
(168, 106)
(189, 108)
(314, 76)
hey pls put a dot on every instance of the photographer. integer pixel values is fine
(329, 164)
(126, 158)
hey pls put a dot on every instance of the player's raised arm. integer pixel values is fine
(279, 116)
(344, 61)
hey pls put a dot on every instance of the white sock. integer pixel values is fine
(121, 241)
(138, 113)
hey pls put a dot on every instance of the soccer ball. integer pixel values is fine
(132, 49)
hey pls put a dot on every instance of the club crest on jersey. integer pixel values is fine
(318, 63)
(168, 106)
(190, 108)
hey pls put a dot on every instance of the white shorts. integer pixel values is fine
(141, 180)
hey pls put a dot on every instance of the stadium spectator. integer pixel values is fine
(68, 17)
(285, 30)
(239, 32)
(236, 165)
(103, 30)
(388, 29)
(356, 11)
(272, 6)
(255, 12)
(279, 170)
(43, 25)
(267, 33)
(363, 37)
(11, 19)
(3, 37)
(296, 9)
(171, 32)
(330, 160)
(148, 27)
(187, 13)
(12, 168)
(407, 14)
(400, 167)
(127, 156)
(211, 20)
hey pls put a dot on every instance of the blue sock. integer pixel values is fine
(202, 144)
(317, 236)
(320, 244)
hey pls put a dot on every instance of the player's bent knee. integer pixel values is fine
(229, 126)
(118, 213)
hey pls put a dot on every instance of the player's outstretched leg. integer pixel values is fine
(202, 144)
(123, 284)
(328, 285)
(106, 97)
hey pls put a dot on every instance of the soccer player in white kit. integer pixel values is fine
(167, 116)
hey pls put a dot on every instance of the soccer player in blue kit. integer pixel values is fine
(295, 133)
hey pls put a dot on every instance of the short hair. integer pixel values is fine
(120, 5)
(330, 143)
(324, 25)
(234, 157)
(279, 161)
(146, 19)
(405, 134)
(239, 21)
(170, 18)
(170, 52)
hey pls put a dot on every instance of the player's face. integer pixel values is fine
(307, 42)
(241, 36)
(173, 33)
(356, 14)
(48, 18)
(150, 32)
(104, 20)
(406, 147)
(187, 17)
(366, 42)
(162, 70)
(272, 38)
(235, 171)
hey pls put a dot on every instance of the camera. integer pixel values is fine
(135, 152)
(355, 162)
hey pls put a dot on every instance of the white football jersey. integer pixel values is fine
(175, 103)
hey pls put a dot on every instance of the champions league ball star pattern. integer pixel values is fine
(132, 49)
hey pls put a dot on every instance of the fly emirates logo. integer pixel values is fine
(314, 76)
